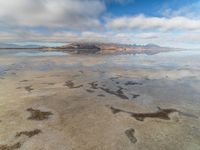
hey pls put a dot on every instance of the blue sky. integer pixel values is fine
(147, 7)
(174, 23)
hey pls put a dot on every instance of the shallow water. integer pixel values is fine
(29, 53)
(103, 102)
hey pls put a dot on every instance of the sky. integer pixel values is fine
(174, 23)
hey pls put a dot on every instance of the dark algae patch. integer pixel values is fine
(135, 95)
(115, 110)
(93, 85)
(36, 114)
(10, 147)
(29, 133)
(132, 83)
(24, 81)
(19, 144)
(49, 83)
(101, 95)
(71, 85)
(81, 72)
(28, 88)
(115, 78)
(90, 91)
(130, 134)
(160, 113)
(118, 93)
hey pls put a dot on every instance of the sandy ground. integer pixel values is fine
(97, 108)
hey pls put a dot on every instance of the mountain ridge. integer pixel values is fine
(105, 48)
(96, 48)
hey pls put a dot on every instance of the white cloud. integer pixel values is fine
(74, 21)
(189, 11)
(68, 14)
(162, 23)
(189, 39)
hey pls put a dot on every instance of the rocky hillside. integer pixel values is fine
(101, 48)
(82, 48)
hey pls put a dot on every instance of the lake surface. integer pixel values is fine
(29, 53)
(101, 102)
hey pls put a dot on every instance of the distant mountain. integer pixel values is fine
(102, 48)
(96, 48)
(15, 46)
(82, 48)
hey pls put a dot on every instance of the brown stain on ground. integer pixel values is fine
(101, 95)
(115, 78)
(49, 83)
(130, 134)
(160, 114)
(94, 85)
(119, 93)
(135, 95)
(132, 83)
(19, 144)
(28, 133)
(11, 147)
(23, 81)
(71, 85)
(90, 91)
(36, 114)
(28, 88)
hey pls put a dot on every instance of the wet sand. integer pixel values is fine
(99, 103)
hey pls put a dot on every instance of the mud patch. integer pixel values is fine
(29, 133)
(132, 83)
(36, 114)
(101, 95)
(24, 81)
(19, 144)
(119, 93)
(94, 85)
(160, 114)
(115, 78)
(90, 91)
(10, 147)
(130, 134)
(135, 95)
(49, 83)
(71, 85)
(29, 88)
(81, 72)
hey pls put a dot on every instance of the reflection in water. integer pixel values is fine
(134, 101)
(39, 54)
(169, 60)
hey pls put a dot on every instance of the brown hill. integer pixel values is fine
(108, 48)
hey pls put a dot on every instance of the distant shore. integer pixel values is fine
(95, 48)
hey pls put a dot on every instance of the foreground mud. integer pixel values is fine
(95, 107)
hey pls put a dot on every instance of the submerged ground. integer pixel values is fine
(53, 101)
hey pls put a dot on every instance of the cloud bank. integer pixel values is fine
(162, 23)
(68, 14)
(88, 20)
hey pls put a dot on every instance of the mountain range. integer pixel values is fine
(102, 48)
(96, 48)
(16, 46)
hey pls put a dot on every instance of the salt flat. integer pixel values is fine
(100, 102)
